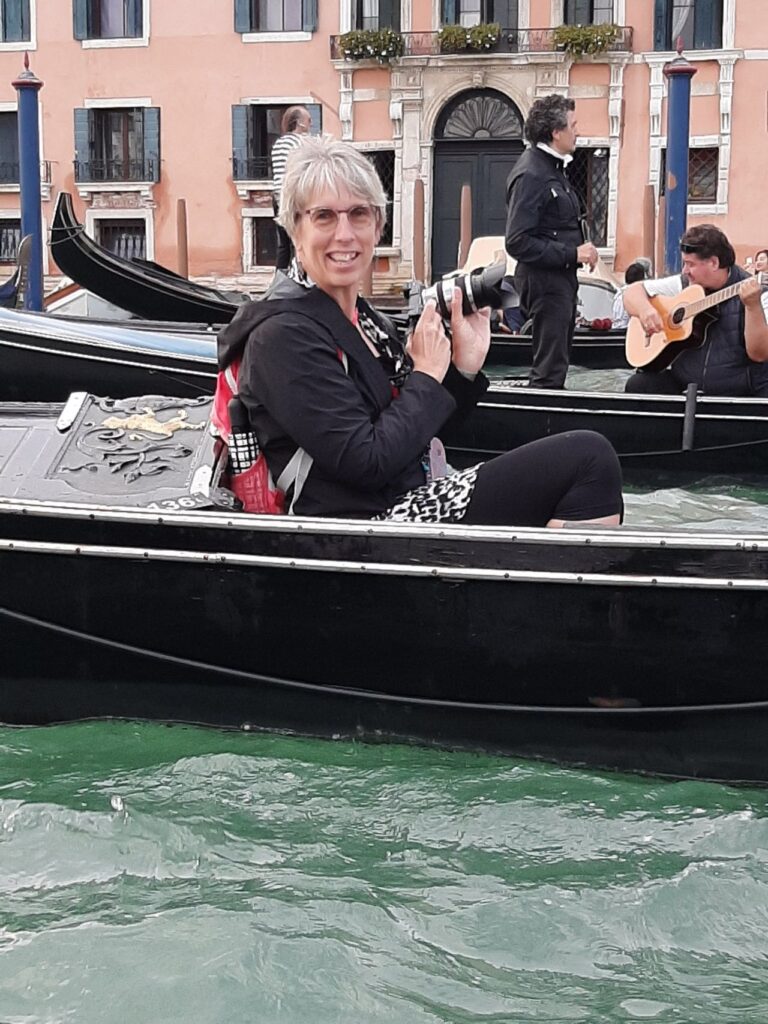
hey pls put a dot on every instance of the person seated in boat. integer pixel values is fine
(322, 371)
(760, 262)
(638, 270)
(731, 360)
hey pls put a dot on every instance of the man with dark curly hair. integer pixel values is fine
(545, 236)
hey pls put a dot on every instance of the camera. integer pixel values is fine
(485, 286)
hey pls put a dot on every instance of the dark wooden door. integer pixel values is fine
(485, 167)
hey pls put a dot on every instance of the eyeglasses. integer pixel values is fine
(327, 219)
(691, 247)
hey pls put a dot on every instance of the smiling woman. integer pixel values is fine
(346, 414)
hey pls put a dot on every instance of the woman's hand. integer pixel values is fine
(471, 336)
(429, 346)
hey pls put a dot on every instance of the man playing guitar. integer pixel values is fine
(728, 355)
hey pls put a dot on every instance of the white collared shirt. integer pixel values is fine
(565, 157)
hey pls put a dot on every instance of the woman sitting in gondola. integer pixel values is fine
(321, 372)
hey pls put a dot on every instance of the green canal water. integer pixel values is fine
(153, 874)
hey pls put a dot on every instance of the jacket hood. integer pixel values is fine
(281, 296)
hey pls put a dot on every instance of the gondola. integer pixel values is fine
(592, 349)
(131, 588)
(672, 440)
(12, 289)
(44, 358)
(139, 286)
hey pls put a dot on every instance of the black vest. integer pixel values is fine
(721, 365)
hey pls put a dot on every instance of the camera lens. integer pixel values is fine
(479, 288)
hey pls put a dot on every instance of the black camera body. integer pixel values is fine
(480, 288)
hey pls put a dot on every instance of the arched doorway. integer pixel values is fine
(478, 138)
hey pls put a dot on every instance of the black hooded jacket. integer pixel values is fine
(366, 443)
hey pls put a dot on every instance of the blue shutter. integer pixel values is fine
(708, 25)
(134, 19)
(152, 142)
(243, 21)
(239, 141)
(15, 21)
(389, 14)
(449, 12)
(83, 153)
(80, 11)
(316, 114)
(505, 13)
(309, 15)
(660, 25)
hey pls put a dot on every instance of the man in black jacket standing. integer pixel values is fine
(545, 236)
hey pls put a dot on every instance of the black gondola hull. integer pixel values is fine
(247, 626)
(127, 589)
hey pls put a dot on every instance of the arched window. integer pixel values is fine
(480, 115)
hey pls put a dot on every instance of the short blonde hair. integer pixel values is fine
(323, 163)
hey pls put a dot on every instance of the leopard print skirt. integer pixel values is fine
(444, 500)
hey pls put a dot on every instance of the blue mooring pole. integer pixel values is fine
(678, 74)
(27, 85)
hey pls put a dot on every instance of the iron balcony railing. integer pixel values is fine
(9, 172)
(116, 170)
(511, 40)
(251, 168)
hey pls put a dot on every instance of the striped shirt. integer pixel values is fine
(283, 146)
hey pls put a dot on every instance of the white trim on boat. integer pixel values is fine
(624, 536)
(119, 358)
(378, 568)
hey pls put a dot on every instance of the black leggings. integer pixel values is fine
(572, 476)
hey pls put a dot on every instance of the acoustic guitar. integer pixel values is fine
(686, 318)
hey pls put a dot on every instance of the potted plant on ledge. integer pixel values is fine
(457, 39)
(585, 40)
(379, 44)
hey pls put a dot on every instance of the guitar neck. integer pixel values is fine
(720, 296)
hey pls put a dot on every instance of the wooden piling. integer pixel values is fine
(419, 269)
(465, 228)
(182, 248)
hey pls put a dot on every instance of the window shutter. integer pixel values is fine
(80, 18)
(15, 21)
(239, 141)
(316, 114)
(83, 153)
(134, 18)
(152, 142)
(449, 12)
(660, 23)
(309, 15)
(243, 21)
(389, 14)
(708, 24)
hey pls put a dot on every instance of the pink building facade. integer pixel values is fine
(142, 107)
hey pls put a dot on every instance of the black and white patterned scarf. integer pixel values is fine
(391, 351)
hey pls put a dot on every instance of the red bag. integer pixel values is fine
(249, 477)
(256, 490)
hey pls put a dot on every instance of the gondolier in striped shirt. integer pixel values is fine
(295, 124)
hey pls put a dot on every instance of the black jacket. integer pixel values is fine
(366, 443)
(543, 213)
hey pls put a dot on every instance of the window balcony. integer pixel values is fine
(9, 172)
(511, 40)
(251, 168)
(115, 170)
